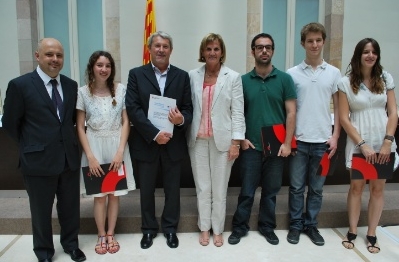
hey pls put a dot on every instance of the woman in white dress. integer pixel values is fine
(101, 105)
(366, 95)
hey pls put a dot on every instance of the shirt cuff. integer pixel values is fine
(155, 138)
(182, 123)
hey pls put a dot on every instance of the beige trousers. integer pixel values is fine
(211, 170)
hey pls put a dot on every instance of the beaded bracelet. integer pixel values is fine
(360, 144)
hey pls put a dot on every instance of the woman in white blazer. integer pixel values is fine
(214, 136)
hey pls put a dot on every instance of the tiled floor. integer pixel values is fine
(252, 248)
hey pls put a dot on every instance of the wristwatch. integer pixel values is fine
(390, 138)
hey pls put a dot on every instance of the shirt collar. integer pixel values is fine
(159, 71)
(323, 65)
(272, 73)
(46, 78)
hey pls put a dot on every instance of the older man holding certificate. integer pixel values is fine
(158, 112)
(153, 148)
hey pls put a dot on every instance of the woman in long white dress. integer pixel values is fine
(101, 105)
(366, 95)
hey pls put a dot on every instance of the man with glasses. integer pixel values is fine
(269, 99)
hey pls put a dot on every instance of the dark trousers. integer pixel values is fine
(42, 191)
(257, 170)
(170, 171)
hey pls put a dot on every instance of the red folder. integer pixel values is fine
(272, 139)
(327, 166)
(363, 170)
(112, 180)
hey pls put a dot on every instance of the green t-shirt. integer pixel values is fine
(264, 102)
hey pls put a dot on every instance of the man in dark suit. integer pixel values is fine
(39, 114)
(155, 149)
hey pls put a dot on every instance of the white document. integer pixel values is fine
(158, 112)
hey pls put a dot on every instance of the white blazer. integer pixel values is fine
(227, 113)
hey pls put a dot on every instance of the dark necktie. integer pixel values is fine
(55, 96)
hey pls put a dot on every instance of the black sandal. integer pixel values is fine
(372, 240)
(350, 236)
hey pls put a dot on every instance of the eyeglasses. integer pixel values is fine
(260, 48)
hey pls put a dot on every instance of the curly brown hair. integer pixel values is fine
(354, 68)
(90, 72)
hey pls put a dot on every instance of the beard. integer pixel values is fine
(263, 62)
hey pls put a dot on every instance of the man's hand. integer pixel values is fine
(285, 150)
(163, 137)
(175, 117)
(333, 143)
(245, 144)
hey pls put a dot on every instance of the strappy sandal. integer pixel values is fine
(349, 244)
(204, 241)
(373, 240)
(218, 240)
(113, 246)
(101, 246)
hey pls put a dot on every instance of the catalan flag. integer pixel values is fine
(149, 28)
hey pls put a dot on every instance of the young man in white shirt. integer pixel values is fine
(316, 84)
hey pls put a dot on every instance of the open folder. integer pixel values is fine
(363, 170)
(110, 182)
(272, 139)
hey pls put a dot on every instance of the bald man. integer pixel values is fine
(39, 114)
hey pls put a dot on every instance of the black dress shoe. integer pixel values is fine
(172, 240)
(45, 260)
(146, 241)
(76, 255)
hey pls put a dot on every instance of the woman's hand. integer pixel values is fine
(94, 167)
(234, 151)
(369, 154)
(385, 152)
(116, 162)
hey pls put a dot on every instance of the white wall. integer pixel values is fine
(187, 21)
(8, 42)
(378, 20)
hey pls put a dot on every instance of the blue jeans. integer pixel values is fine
(255, 169)
(303, 167)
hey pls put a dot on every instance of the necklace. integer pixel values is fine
(212, 75)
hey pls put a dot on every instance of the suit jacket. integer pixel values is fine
(227, 113)
(141, 83)
(31, 119)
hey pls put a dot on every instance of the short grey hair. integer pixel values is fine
(161, 34)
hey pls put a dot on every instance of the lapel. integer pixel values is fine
(221, 80)
(150, 75)
(67, 95)
(172, 73)
(42, 91)
(199, 85)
